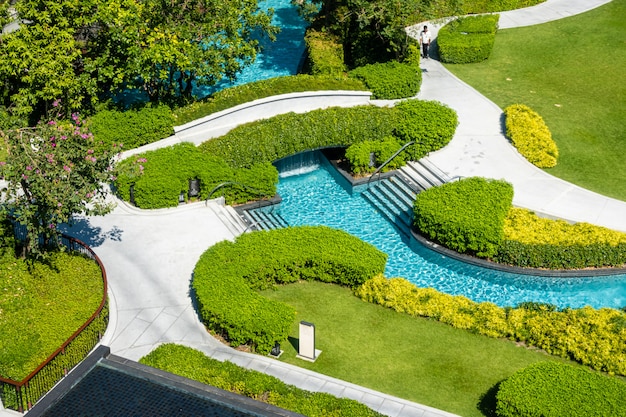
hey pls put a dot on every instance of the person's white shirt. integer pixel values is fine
(425, 36)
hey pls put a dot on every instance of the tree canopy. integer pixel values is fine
(83, 51)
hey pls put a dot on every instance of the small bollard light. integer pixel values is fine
(275, 350)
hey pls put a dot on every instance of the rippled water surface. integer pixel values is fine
(317, 198)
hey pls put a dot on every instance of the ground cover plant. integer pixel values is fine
(417, 359)
(41, 306)
(547, 68)
(193, 364)
(530, 135)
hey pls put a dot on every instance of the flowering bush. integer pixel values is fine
(54, 170)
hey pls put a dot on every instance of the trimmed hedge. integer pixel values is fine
(530, 135)
(532, 241)
(550, 389)
(227, 275)
(190, 363)
(429, 123)
(324, 54)
(231, 97)
(390, 80)
(466, 216)
(591, 337)
(467, 39)
(291, 133)
(358, 155)
(166, 172)
(132, 128)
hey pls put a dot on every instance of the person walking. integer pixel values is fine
(425, 41)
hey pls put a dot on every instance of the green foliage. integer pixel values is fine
(530, 136)
(324, 54)
(467, 39)
(227, 274)
(532, 241)
(68, 288)
(195, 365)
(132, 128)
(591, 337)
(430, 124)
(287, 134)
(466, 215)
(358, 155)
(231, 97)
(54, 171)
(166, 172)
(390, 80)
(550, 389)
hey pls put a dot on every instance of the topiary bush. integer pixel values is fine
(190, 363)
(467, 39)
(358, 155)
(132, 128)
(287, 134)
(227, 275)
(550, 389)
(324, 54)
(532, 241)
(591, 337)
(530, 135)
(430, 124)
(390, 80)
(233, 96)
(466, 216)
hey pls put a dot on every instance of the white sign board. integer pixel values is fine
(306, 348)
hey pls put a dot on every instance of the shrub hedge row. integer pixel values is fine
(550, 389)
(390, 80)
(467, 39)
(231, 97)
(288, 134)
(532, 241)
(324, 54)
(530, 135)
(228, 273)
(591, 337)
(164, 174)
(195, 365)
(466, 216)
(358, 155)
(132, 128)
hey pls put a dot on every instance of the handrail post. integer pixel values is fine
(396, 153)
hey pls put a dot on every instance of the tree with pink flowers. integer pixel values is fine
(53, 171)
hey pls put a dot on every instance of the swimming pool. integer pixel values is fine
(319, 196)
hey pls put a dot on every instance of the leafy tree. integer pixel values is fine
(54, 171)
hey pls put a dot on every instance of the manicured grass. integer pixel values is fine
(417, 359)
(571, 72)
(41, 308)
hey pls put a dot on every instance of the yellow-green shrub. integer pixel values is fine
(596, 338)
(531, 136)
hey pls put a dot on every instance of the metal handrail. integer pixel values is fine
(377, 172)
(22, 397)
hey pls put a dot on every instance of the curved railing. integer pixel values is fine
(22, 395)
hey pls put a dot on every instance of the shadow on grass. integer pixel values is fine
(295, 342)
(487, 403)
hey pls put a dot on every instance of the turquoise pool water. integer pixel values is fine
(279, 58)
(319, 197)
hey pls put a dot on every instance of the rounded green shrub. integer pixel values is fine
(359, 155)
(228, 273)
(466, 216)
(467, 39)
(390, 80)
(430, 124)
(551, 389)
(530, 135)
(324, 53)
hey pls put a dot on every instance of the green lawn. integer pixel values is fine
(573, 73)
(417, 359)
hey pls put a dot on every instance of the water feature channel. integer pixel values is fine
(315, 194)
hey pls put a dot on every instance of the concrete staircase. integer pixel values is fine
(264, 218)
(394, 196)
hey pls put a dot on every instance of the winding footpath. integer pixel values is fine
(150, 255)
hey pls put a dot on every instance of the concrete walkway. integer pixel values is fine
(150, 255)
